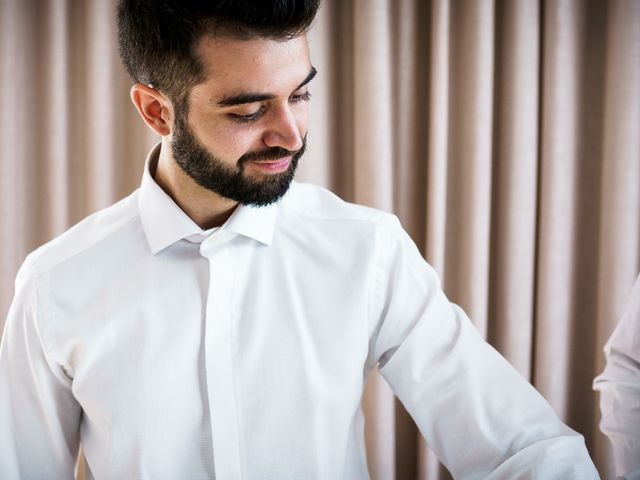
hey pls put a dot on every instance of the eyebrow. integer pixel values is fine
(249, 97)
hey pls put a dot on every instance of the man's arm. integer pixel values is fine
(478, 414)
(39, 417)
(619, 387)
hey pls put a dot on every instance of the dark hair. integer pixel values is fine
(157, 39)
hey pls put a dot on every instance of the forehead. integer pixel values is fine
(257, 64)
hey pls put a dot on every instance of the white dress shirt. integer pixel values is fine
(619, 386)
(242, 354)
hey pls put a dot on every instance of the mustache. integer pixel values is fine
(275, 153)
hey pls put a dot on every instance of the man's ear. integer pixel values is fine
(154, 108)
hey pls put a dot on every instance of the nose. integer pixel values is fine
(282, 130)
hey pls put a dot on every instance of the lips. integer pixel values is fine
(272, 166)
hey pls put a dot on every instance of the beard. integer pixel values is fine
(212, 173)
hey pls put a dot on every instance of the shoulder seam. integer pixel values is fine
(35, 261)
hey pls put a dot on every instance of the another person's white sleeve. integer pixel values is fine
(39, 417)
(619, 386)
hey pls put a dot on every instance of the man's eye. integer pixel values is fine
(305, 97)
(251, 117)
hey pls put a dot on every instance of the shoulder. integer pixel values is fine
(318, 203)
(313, 216)
(91, 232)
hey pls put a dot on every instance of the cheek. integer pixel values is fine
(228, 141)
(302, 118)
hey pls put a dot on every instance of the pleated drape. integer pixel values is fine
(504, 134)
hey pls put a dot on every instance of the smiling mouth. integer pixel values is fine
(279, 160)
(272, 166)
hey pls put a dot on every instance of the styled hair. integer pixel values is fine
(157, 39)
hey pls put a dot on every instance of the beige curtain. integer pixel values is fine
(505, 134)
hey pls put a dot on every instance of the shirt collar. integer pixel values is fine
(164, 223)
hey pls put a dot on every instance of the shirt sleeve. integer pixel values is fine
(39, 417)
(619, 386)
(479, 415)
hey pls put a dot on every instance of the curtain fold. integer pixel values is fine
(569, 196)
(505, 135)
(515, 182)
(619, 234)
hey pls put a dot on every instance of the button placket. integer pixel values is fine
(219, 356)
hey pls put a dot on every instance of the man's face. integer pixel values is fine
(247, 123)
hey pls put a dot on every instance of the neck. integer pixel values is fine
(206, 208)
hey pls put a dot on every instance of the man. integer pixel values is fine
(221, 321)
(619, 387)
